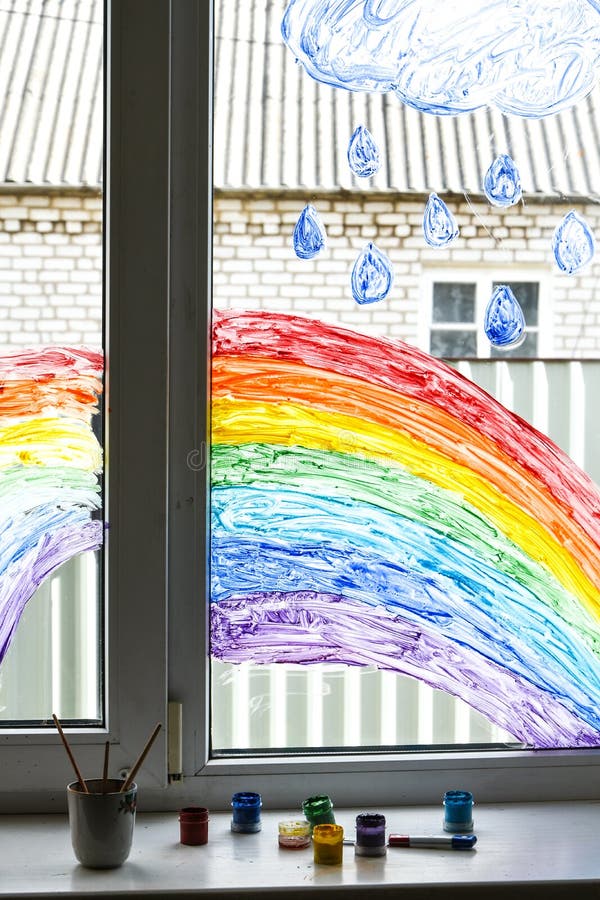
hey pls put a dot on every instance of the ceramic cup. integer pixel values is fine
(101, 822)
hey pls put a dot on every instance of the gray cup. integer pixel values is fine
(101, 823)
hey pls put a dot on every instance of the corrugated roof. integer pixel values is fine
(51, 92)
(275, 127)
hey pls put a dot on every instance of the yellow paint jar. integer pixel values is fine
(328, 844)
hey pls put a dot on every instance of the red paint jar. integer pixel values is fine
(193, 825)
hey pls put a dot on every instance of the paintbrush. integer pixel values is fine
(129, 780)
(105, 769)
(70, 755)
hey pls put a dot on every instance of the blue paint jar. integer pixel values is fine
(246, 812)
(458, 811)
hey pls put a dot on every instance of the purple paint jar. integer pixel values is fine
(246, 812)
(370, 835)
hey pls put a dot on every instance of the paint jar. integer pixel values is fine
(193, 825)
(294, 835)
(370, 835)
(246, 812)
(328, 844)
(319, 810)
(458, 811)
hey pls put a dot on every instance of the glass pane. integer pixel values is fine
(51, 362)
(527, 293)
(527, 350)
(453, 302)
(397, 559)
(450, 344)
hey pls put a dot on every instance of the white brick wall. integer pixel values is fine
(51, 264)
(50, 269)
(260, 229)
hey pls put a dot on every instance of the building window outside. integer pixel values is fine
(457, 306)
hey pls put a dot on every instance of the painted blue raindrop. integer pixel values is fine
(573, 243)
(504, 322)
(502, 182)
(372, 275)
(309, 233)
(439, 225)
(363, 153)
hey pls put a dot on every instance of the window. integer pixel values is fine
(134, 664)
(51, 365)
(160, 213)
(457, 316)
(300, 550)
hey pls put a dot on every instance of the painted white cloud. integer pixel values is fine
(527, 57)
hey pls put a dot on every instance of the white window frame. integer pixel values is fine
(34, 768)
(483, 279)
(159, 259)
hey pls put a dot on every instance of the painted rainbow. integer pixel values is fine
(373, 507)
(49, 465)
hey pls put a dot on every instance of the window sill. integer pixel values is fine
(549, 850)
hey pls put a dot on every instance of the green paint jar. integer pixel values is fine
(318, 810)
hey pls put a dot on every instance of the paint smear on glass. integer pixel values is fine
(502, 183)
(363, 153)
(50, 461)
(504, 322)
(439, 225)
(309, 233)
(573, 243)
(372, 276)
(527, 58)
(370, 506)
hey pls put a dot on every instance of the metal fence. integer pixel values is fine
(53, 663)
